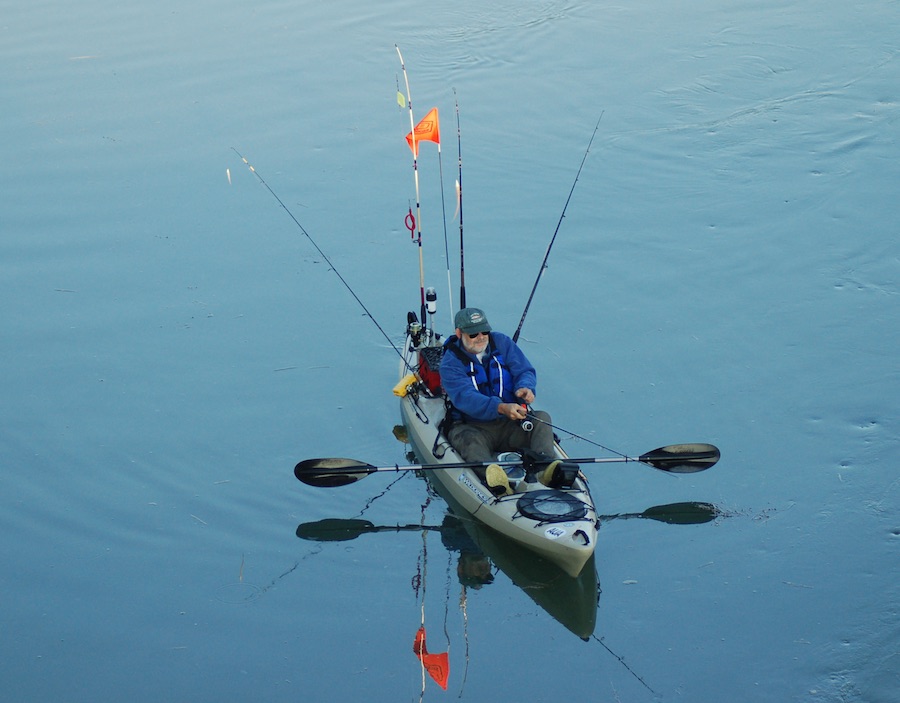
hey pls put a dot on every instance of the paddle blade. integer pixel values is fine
(682, 513)
(331, 473)
(334, 530)
(682, 458)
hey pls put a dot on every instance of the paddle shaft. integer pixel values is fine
(485, 464)
(340, 530)
(334, 472)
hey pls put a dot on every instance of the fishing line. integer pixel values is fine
(371, 500)
(321, 253)
(625, 664)
(534, 417)
(515, 337)
(261, 590)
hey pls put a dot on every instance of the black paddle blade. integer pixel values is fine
(683, 513)
(682, 458)
(331, 473)
(334, 530)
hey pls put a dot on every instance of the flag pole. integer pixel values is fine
(418, 223)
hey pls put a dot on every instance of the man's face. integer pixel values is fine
(473, 346)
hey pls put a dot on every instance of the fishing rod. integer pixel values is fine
(321, 253)
(446, 242)
(515, 337)
(462, 258)
(682, 458)
(536, 418)
(415, 227)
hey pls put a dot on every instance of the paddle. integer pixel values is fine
(674, 458)
(688, 513)
(334, 529)
(338, 530)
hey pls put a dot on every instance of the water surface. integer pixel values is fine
(173, 343)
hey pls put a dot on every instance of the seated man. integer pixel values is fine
(489, 382)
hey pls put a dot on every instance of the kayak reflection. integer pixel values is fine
(570, 601)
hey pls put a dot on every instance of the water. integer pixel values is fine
(726, 272)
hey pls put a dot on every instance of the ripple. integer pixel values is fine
(237, 593)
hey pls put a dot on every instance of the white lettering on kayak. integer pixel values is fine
(554, 532)
(464, 479)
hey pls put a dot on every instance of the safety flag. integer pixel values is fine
(437, 665)
(427, 130)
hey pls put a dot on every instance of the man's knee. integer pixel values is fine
(542, 416)
(470, 444)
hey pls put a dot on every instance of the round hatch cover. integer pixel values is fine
(551, 506)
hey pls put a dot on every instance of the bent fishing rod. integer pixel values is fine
(321, 253)
(515, 336)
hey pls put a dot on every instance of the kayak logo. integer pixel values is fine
(555, 532)
(472, 487)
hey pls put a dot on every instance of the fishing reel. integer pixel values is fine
(527, 425)
(414, 328)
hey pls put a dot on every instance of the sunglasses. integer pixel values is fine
(477, 335)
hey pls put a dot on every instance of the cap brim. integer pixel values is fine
(474, 329)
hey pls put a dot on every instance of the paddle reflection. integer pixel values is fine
(572, 602)
(481, 551)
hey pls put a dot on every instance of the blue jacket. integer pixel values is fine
(456, 377)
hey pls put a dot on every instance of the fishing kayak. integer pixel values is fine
(557, 524)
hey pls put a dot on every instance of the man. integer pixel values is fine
(489, 381)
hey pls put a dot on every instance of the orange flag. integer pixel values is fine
(437, 665)
(428, 130)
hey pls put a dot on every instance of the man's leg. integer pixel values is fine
(471, 443)
(542, 434)
(539, 439)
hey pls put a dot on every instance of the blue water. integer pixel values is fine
(727, 272)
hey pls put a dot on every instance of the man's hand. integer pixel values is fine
(512, 411)
(526, 394)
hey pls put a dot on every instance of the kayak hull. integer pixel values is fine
(566, 540)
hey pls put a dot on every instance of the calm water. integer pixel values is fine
(727, 272)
